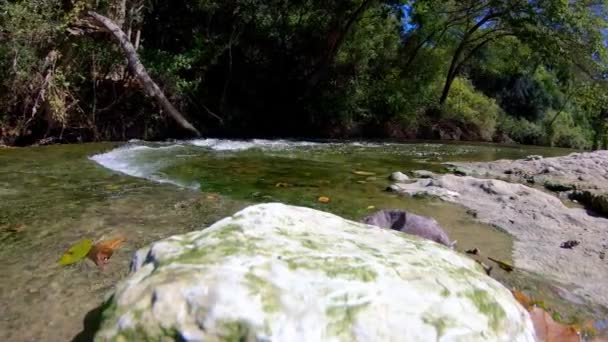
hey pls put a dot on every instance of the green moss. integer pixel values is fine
(342, 318)
(228, 246)
(267, 291)
(340, 267)
(235, 331)
(144, 334)
(310, 244)
(226, 231)
(440, 323)
(487, 306)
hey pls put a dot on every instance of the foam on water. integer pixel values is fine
(241, 145)
(140, 161)
(146, 160)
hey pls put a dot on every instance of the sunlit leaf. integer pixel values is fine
(324, 199)
(77, 252)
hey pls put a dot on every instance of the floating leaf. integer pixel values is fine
(504, 265)
(76, 253)
(324, 199)
(371, 207)
(102, 251)
(521, 297)
(363, 173)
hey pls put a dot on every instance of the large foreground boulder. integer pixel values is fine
(274, 272)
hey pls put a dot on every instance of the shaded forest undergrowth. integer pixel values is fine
(532, 72)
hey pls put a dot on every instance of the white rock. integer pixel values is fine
(399, 177)
(274, 272)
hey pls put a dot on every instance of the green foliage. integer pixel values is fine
(521, 130)
(308, 68)
(470, 107)
(565, 133)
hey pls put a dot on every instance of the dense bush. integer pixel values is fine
(470, 107)
(522, 130)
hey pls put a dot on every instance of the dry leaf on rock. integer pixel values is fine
(103, 250)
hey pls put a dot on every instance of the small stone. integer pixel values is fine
(393, 188)
(473, 251)
(534, 157)
(569, 244)
(399, 177)
(423, 174)
(549, 169)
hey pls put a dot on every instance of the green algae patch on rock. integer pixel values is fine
(283, 273)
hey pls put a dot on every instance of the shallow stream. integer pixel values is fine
(52, 197)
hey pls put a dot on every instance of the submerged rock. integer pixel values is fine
(274, 272)
(539, 221)
(409, 223)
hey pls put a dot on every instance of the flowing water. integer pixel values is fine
(52, 197)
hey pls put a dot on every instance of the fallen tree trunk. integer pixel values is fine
(137, 68)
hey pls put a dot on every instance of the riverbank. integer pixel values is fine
(541, 225)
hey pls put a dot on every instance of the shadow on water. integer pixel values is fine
(91, 324)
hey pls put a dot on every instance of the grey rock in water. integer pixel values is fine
(399, 177)
(409, 223)
(423, 174)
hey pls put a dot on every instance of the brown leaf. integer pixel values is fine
(547, 330)
(521, 297)
(103, 250)
(324, 199)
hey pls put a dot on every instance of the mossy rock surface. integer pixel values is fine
(275, 272)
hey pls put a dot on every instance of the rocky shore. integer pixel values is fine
(579, 176)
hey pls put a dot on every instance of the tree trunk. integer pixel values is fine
(456, 63)
(334, 42)
(137, 68)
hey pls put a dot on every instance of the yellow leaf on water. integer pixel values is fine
(76, 253)
(324, 199)
(371, 207)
